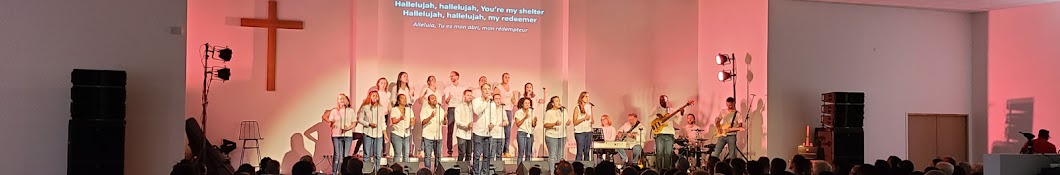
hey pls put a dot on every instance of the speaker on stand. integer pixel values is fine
(96, 143)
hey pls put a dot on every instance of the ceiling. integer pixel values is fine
(947, 5)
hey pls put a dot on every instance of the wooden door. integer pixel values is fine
(937, 135)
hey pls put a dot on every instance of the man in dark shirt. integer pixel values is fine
(1041, 144)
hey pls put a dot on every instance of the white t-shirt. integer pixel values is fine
(690, 132)
(497, 120)
(527, 126)
(609, 133)
(553, 116)
(402, 128)
(587, 125)
(427, 92)
(674, 120)
(431, 129)
(373, 115)
(638, 132)
(464, 117)
(342, 120)
(506, 96)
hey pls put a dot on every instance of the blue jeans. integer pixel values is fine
(555, 151)
(508, 130)
(342, 149)
(401, 147)
(583, 140)
(729, 140)
(451, 115)
(482, 154)
(464, 147)
(372, 151)
(432, 153)
(526, 141)
(664, 149)
(637, 150)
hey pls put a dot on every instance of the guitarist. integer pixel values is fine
(632, 130)
(664, 140)
(727, 127)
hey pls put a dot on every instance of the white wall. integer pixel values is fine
(43, 40)
(905, 60)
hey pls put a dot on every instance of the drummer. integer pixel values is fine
(693, 132)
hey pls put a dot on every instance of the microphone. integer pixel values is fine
(591, 104)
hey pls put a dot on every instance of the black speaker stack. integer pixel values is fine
(841, 139)
(96, 143)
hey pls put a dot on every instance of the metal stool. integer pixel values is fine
(249, 131)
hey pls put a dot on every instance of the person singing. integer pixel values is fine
(496, 126)
(583, 131)
(727, 123)
(342, 120)
(371, 116)
(432, 128)
(452, 95)
(484, 108)
(555, 136)
(508, 102)
(526, 122)
(400, 118)
(464, 120)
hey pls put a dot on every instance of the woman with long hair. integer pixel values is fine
(371, 116)
(400, 120)
(526, 122)
(430, 89)
(383, 88)
(583, 131)
(508, 103)
(555, 134)
(341, 119)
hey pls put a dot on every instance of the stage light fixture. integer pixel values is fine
(725, 75)
(224, 73)
(227, 146)
(225, 54)
(724, 59)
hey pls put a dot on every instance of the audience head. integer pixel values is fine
(957, 170)
(383, 170)
(893, 161)
(453, 171)
(344, 167)
(967, 167)
(882, 166)
(649, 172)
(423, 171)
(683, 165)
(606, 167)
(535, 171)
(1044, 134)
(564, 168)
(906, 167)
(274, 167)
(777, 166)
(396, 168)
(700, 172)
(935, 172)
(302, 168)
(722, 168)
(246, 167)
(670, 172)
(820, 166)
(950, 160)
(306, 158)
(945, 167)
(264, 162)
(933, 162)
(710, 163)
(738, 166)
(764, 161)
(184, 167)
(630, 170)
(801, 166)
(355, 166)
(755, 168)
(579, 168)
(590, 170)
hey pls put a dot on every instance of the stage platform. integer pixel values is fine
(510, 164)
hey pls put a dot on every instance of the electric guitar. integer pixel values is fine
(723, 129)
(659, 123)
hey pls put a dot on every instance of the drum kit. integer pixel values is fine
(693, 149)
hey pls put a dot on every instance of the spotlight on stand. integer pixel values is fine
(725, 75)
(724, 59)
(224, 73)
(225, 54)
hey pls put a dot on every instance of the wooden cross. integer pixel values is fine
(272, 23)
